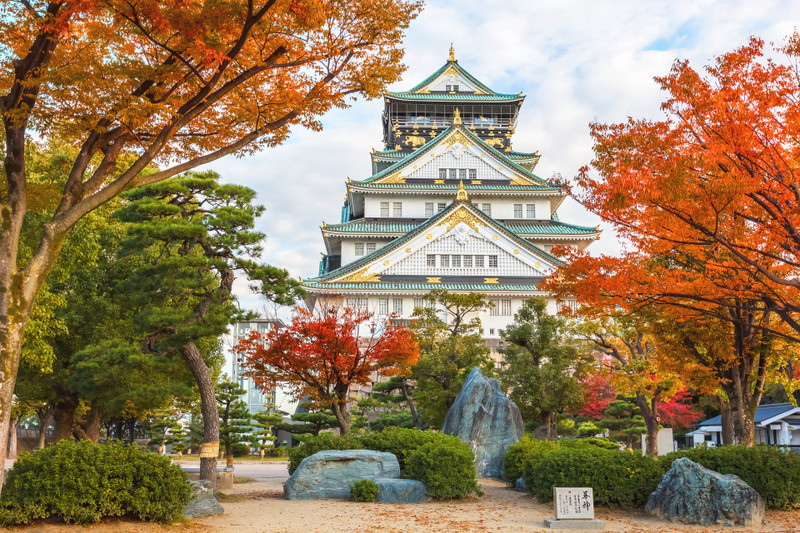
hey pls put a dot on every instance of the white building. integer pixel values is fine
(777, 423)
(449, 205)
(253, 396)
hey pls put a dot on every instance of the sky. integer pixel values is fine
(577, 61)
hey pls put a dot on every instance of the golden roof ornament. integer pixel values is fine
(461, 196)
(452, 53)
(457, 118)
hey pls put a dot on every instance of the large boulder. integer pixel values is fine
(484, 417)
(401, 491)
(693, 494)
(329, 473)
(202, 501)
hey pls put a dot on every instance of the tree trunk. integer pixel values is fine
(90, 429)
(12, 438)
(208, 406)
(339, 407)
(45, 418)
(410, 402)
(649, 410)
(64, 418)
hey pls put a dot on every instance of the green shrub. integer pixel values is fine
(590, 441)
(82, 482)
(525, 450)
(456, 476)
(619, 478)
(364, 490)
(771, 471)
(446, 466)
(240, 449)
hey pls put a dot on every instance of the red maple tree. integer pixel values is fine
(323, 354)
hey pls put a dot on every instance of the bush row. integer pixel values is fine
(82, 482)
(443, 462)
(621, 478)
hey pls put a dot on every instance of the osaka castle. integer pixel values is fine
(450, 204)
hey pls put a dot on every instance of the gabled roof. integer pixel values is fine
(471, 137)
(403, 226)
(482, 94)
(357, 269)
(765, 414)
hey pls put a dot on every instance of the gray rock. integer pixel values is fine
(520, 486)
(693, 494)
(484, 417)
(329, 473)
(202, 501)
(401, 491)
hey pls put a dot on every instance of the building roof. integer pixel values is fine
(484, 93)
(402, 226)
(763, 413)
(405, 286)
(430, 145)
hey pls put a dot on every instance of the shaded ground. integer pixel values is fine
(501, 510)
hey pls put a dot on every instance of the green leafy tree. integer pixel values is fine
(234, 418)
(264, 435)
(202, 233)
(624, 421)
(449, 334)
(542, 366)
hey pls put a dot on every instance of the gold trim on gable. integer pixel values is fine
(490, 281)
(435, 280)
(361, 276)
(462, 214)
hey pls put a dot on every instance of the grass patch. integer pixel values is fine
(243, 479)
(229, 498)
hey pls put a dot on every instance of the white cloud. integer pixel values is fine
(577, 61)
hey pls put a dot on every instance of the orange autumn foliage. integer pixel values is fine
(322, 355)
(707, 200)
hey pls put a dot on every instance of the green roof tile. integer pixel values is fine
(459, 97)
(472, 287)
(544, 227)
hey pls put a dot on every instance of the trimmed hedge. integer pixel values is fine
(82, 482)
(619, 478)
(771, 471)
(443, 462)
(625, 479)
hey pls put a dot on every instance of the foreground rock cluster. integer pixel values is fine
(484, 417)
(693, 494)
(329, 474)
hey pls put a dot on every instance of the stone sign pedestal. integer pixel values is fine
(574, 509)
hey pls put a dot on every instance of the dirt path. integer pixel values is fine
(263, 509)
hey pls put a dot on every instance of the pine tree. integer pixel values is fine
(265, 435)
(234, 418)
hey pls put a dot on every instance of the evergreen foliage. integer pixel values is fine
(81, 482)
(364, 490)
(234, 418)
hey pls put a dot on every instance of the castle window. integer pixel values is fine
(467, 261)
(478, 261)
(397, 306)
(428, 209)
(530, 210)
(370, 247)
(383, 306)
(359, 248)
(492, 261)
(462, 173)
(444, 261)
(487, 208)
(442, 173)
(384, 209)
(430, 260)
(473, 173)
(456, 261)
(452, 173)
(517, 210)
(397, 209)
(441, 205)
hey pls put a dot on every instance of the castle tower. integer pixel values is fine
(449, 205)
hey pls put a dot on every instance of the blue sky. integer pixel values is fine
(576, 61)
